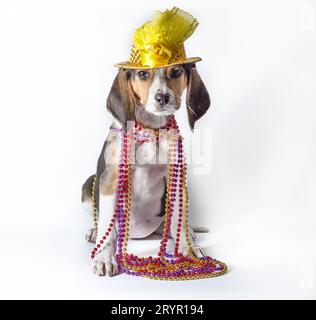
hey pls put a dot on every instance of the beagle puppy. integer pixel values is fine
(149, 96)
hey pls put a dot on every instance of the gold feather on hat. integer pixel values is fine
(170, 28)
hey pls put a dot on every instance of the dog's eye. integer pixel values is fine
(175, 73)
(143, 74)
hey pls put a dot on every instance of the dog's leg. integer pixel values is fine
(104, 263)
(86, 199)
(183, 245)
(197, 250)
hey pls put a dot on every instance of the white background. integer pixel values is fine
(56, 68)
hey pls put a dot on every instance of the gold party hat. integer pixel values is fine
(159, 43)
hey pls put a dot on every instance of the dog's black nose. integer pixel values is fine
(162, 98)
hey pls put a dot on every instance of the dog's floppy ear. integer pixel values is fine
(197, 100)
(121, 100)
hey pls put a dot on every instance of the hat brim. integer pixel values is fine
(130, 65)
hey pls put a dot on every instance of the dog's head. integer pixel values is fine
(158, 93)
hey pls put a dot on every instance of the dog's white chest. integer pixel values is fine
(148, 187)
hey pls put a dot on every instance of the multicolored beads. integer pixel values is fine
(165, 266)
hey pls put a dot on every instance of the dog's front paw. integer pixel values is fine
(199, 252)
(91, 235)
(104, 264)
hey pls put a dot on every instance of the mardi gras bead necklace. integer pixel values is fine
(166, 266)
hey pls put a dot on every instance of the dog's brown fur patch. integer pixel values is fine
(108, 179)
(108, 182)
(177, 85)
(141, 87)
(86, 194)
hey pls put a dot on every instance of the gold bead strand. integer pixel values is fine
(94, 204)
(186, 203)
